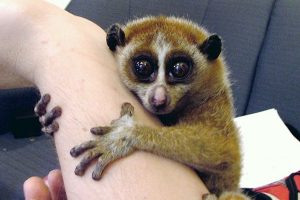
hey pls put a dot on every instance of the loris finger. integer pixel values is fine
(101, 130)
(103, 161)
(79, 149)
(49, 117)
(50, 129)
(127, 109)
(85, 161)
(40, 107)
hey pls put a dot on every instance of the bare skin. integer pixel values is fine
(38, 41)
(49, 187)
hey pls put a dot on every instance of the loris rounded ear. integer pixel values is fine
(115, 37)
(211, 47)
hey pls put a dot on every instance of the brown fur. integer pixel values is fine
(145, 30)
(205, 136)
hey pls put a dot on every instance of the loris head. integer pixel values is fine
(166, 60)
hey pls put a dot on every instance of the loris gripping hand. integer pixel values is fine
(113, 142)
(47, 119)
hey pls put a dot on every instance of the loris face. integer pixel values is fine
(160, 59)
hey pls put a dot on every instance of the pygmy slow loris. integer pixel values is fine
(176, 70)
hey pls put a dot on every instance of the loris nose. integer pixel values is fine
(159, 97)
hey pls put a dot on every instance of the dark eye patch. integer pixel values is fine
(144, 67)
(179, 68)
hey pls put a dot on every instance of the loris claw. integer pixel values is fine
(113, 142)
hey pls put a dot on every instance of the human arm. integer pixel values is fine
(67, 57)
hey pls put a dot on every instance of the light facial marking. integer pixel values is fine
(161, 47)
(124, 53)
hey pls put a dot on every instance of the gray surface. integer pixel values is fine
(105, 13)
(21, 159)
(102, 12)
(242, 25)
(277, 81)
(191, 9)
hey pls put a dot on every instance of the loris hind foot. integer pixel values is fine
(113, 142)
(47, 119)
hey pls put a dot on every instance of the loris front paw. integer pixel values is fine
(47, 119)
(113, 142)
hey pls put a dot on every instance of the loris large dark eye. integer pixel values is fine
(144, 68)
(179, 68)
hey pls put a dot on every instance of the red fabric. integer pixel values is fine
(280, 191)
(297, 181)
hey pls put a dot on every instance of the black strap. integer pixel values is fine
(291, 185)
(255, 195)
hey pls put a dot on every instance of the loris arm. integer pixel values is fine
(210, 151)
(204, 148)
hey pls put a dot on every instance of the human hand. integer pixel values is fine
(50, 187)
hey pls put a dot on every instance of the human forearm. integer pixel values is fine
(67, 57)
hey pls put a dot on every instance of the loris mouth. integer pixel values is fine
(160, 110)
